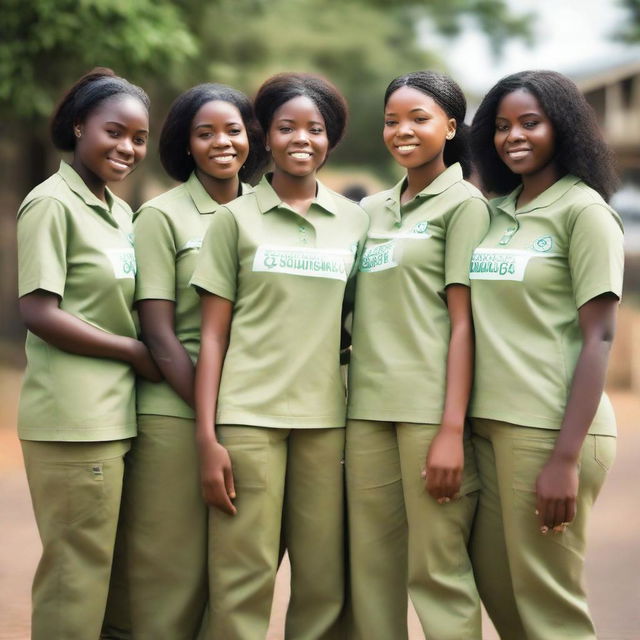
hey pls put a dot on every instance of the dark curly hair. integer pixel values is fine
(83, 97)
(285, 86)
(579, 146)
(174, 137)
(449, 97)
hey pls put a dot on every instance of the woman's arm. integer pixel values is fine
(445, 458)
(215, 465)
(42, 315)
(157, 320)
(557, 483)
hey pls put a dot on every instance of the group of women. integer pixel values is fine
(217, 433)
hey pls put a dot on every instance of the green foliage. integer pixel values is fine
(46, 44)
(630, 32)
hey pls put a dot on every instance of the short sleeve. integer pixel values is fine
(466, 228)
(42, 247)
(217, 265)
(155, 247)
(596, 254)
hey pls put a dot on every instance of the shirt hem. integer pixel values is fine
(73, 434)
(226, 418)
(379, 415)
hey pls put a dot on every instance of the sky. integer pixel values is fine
(568, 35)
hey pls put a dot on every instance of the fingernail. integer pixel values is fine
(544, 530)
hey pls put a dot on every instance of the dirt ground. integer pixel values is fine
(613, 564)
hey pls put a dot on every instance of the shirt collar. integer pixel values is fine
(268, 199)
(446, 179)
(78, 186)
(203, 201)
(547, 197)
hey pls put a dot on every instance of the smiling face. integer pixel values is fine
(416, 128)
(298, 138)
(524, 135)
(218, 140)
(111, 141)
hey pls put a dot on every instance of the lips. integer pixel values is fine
(519, 153)
(121, 165)
(300, 155)
(224, 158)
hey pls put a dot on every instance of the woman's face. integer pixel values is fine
(415, 128)
(218, 140)
(112, 140)
(524, 136)
(298, 138)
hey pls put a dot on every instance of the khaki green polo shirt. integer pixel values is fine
(533, 271)
(168, 236)
(72, 244)
(401, 324)
(285, 274)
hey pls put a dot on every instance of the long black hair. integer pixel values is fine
(579, 146)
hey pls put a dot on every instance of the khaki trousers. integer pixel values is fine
(75, 489)
(290, 479)
(531, 585)
(165, 529)
(400, 537)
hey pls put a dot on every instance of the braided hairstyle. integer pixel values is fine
(83, 97)
(579, 146)
(174, 138)
(449, 97)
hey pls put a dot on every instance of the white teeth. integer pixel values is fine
(223, 158)
(518, 154)
(407, 147)
(119, 164)
(300, 155)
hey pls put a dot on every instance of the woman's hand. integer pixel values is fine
(143, 363)
(444, 465)
(556, 492)
(216, 477)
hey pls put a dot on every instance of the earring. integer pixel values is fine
(77, 132)
(451, 135)
(267, 147)
(188, 153)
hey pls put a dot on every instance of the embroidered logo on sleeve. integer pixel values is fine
(123, 262)
(304, 261)
(379, 258)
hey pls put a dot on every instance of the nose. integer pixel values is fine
(405, 128)
(125, 146)
(221, 140)
(301, 136)
(516, 133)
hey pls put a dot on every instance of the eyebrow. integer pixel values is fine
(122, 126)
(292, 120)
(524, 115)
(393, 113)
(205, 125)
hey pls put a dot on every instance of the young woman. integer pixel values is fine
(210, 142)
(410, 376)
(270, 402)
(77, 406)
(546, 281)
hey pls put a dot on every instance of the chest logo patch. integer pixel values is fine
(378, 258)
(543, 244)
(304, 261)
(123, 262)
(502, 264)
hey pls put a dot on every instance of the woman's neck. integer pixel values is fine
(534, 185)
(222, 191)
(420, 178)
(296, 191)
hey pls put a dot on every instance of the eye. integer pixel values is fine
(204, 135)
(285, 129)
(113, 133)
(235, 132)
(390, 123)
(316, 130)
(139, 140)
(421, 119)
(502, 127)
(530, 124)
